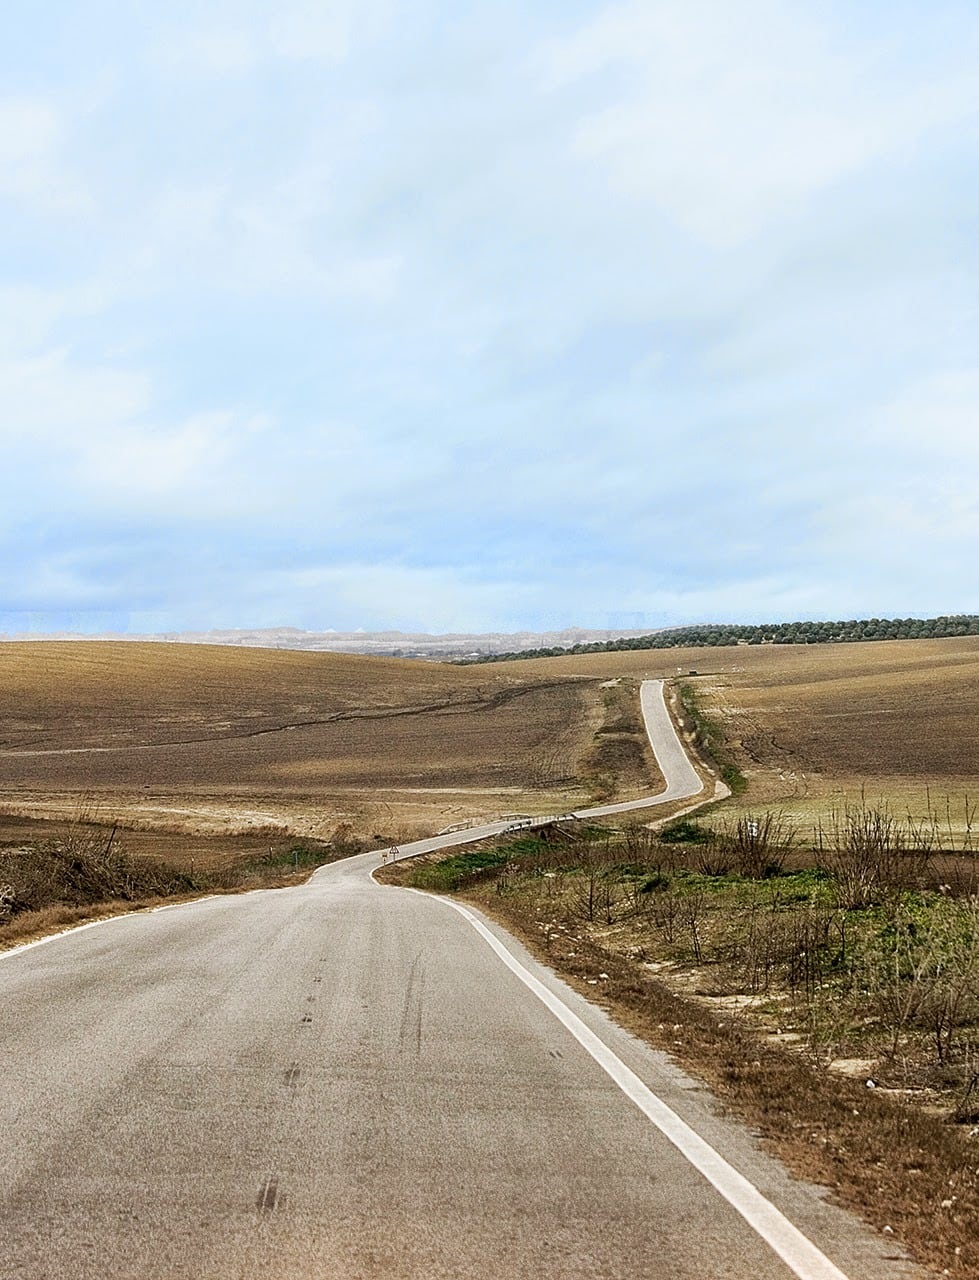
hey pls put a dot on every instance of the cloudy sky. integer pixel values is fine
(490, 315)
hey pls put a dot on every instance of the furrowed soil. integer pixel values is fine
(197, 748)
(205, 751)
(813, 727)
(217, 759)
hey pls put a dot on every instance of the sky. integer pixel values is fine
(487, 316)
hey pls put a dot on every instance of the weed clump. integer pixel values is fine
(683, 831)
(824, 986)
(86, 866)
(708, 737)
(81, 868)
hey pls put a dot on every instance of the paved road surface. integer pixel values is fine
(344, 1080)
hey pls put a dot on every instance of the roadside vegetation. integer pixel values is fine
(619, 763)
(707, 736)
(85, 872)
(827, 988)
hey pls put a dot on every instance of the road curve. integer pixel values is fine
(344, 1080)
(681, 782)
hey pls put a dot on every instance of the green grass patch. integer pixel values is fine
(458, 869)
(449, 874)
(683, 831)
(709, 738)
(304, 853)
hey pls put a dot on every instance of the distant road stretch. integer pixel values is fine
(345, 1081)
(681, 778)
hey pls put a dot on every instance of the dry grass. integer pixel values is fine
(67, 873)
(897, 1167)
(209, 756)
(52, 920)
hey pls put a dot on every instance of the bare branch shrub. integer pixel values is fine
(871, 855)
(759, 844)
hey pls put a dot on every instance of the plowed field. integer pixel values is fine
(814, 725)
(197, 739)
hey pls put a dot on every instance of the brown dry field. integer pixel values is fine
(232, 744)
(814, 726)
(246, 745)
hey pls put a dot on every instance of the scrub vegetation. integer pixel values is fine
(86, 871)
(811, 952)
(706, 735)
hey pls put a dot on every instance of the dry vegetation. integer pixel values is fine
(207, 755)
(85, 869)
(822, 920)
(816, 932)
(215, 739)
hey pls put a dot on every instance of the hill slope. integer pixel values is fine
(207, 737)
(810, 725)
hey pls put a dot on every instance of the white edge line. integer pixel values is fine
(795, 1249)
(92, 924)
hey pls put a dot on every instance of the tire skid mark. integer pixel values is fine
(269, 1198)
(411, 1014)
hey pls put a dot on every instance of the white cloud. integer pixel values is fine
(33, 138)
(386, 307)
(219, 51)
(404, 597)
(310, 29)
(94, 440)
(47, 400)
(234, 39)
(933, 424)
(248, 236)
(135, 463)
(60, 579)
(737, 114)
(30, 314)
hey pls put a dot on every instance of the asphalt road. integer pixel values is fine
(346, 1080)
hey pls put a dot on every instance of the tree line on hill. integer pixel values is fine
(714, 634)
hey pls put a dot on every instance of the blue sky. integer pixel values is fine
(483, 316)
